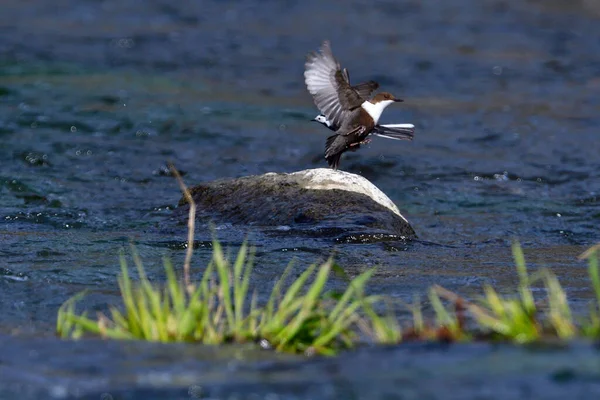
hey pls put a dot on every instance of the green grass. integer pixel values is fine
(302, 317)
(519, 318)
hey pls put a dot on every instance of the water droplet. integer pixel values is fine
(58, 391)
(73, 129)
(501, 177)
(497, 70)
(195, 391)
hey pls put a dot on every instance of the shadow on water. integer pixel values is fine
(95, 98)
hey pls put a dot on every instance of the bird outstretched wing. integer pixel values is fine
(330, 87)
(365, 89)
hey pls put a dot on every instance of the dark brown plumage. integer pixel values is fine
(344, 106)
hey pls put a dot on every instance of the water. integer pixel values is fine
(413, 371)
(96, 97)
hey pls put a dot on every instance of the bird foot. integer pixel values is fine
(366, 141)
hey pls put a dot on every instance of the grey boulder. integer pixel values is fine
(315, 201)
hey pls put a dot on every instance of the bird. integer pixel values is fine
(347, 110)
(391, 131)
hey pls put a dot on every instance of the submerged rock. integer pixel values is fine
(322, 200)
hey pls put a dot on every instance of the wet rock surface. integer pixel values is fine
(313, 199)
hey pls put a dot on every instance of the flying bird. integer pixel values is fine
(346, 109)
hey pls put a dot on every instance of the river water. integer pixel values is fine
(97, 96)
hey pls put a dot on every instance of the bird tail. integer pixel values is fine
(334, 161)
(332, 152)
(333, 146)
(395, 131)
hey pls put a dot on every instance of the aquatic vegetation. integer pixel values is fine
(299, 319)
(303, 318)
(519, 318)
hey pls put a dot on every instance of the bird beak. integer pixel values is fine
(314, 120)
(398, 100)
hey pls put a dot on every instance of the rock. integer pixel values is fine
(321, 201)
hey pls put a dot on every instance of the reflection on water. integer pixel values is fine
(96, 97)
